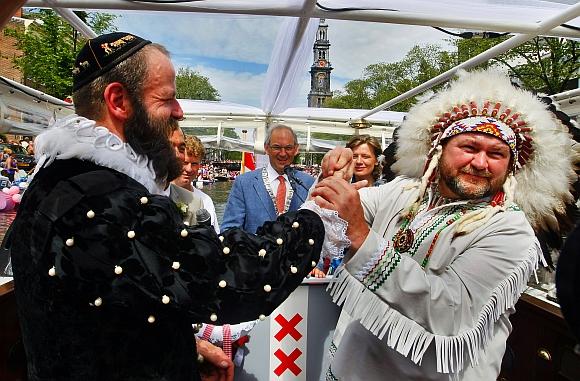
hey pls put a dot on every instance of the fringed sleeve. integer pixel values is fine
(409, 308)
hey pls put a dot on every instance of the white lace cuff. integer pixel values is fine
(215, 335)
(335, 239)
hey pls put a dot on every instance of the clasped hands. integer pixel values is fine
(336, 192)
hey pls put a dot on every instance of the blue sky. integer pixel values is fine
(233, 51)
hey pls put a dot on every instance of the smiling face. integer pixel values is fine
(281, 149)
(190, 151)
(473, 165)
(159, 90)
(155, 115)
(190, 171)
(365, 162)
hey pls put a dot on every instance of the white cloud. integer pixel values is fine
(357, 44)
(337, 83)
(354, 45)
(243, 88)
(233, 37)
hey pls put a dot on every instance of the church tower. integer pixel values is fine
(320, 69)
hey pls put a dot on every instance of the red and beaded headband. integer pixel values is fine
(507, 127)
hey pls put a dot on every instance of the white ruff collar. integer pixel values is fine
(79, 138)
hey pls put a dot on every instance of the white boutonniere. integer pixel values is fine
(183, 208)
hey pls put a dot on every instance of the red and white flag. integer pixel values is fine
(288, 327)
(248, 162)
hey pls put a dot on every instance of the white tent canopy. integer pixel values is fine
(25, 111)
(514, 16)
(305, 121)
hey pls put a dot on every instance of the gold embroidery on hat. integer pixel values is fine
(82, 66)
(111, 47)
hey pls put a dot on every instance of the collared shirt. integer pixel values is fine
(273, 179)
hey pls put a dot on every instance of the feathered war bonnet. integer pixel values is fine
(542, 174)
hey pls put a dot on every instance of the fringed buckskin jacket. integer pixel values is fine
(438, 310)
(109, 280)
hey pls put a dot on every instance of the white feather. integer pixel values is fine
(543, 184)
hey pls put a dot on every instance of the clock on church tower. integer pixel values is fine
(320, 69)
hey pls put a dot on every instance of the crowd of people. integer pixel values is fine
(119, 261)
(8, 160)
(210, 172)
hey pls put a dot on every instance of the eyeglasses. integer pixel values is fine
(277, 148)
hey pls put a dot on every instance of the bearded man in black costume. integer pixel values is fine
(108, 279)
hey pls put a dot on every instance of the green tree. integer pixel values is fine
(543, 64)
(384, 81)
(192, 85)
(327, 136)
(356, 94)
(50, 46)
(201, 131)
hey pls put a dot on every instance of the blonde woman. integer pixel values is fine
(366, 151)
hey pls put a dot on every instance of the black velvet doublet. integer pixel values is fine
(108, 279)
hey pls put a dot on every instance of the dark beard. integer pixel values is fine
(459, 188)
(150, 137)
(465, 190)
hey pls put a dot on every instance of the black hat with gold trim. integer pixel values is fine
(102, 53)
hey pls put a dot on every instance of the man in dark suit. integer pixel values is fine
(265, 193)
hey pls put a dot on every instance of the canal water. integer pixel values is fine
(219, 192)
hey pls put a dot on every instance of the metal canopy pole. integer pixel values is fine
(566, 94)
(72, 19)
(546, 25)
(442, 21)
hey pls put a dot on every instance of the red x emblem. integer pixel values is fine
(287, 362)
(288, 327)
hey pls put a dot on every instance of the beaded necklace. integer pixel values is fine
(268, 186)
(433, 215)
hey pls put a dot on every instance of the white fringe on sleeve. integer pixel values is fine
(412, 340)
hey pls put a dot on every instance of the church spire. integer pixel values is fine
(320, 69)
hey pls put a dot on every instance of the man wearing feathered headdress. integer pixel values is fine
(440, 255)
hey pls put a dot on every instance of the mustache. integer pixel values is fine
(476, 172)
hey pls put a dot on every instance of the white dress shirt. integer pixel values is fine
(274, 181)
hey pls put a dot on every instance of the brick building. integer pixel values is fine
(8, 50)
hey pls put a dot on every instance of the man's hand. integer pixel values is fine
(317, 273)
(338, 162)
(337, 194)
(216, 366)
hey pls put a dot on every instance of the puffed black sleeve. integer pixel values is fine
(125, 248)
